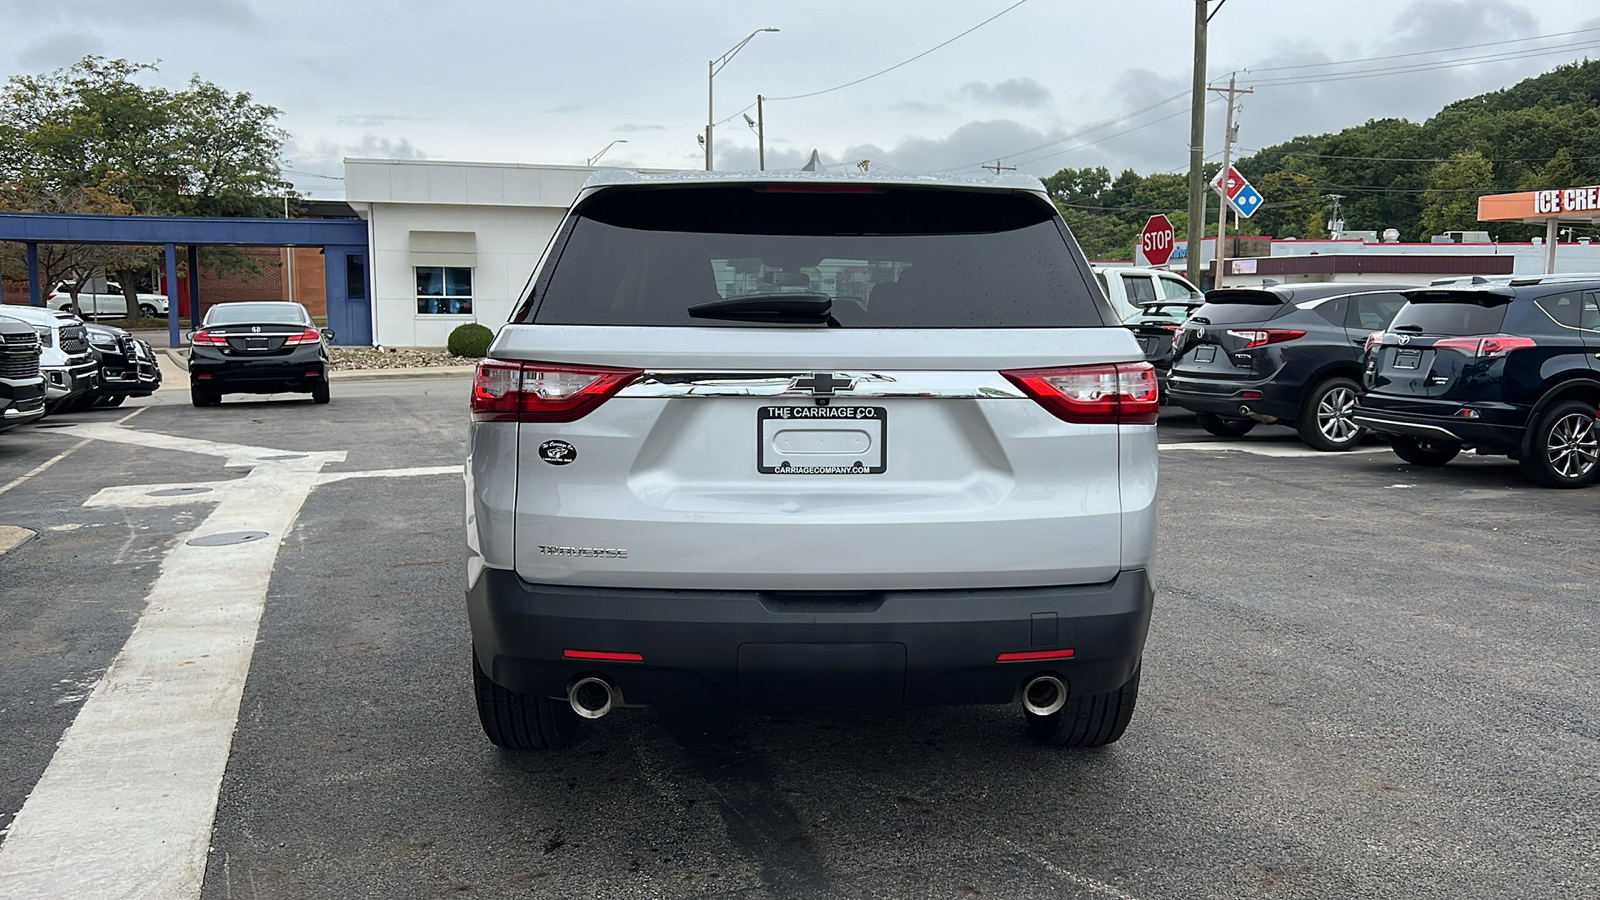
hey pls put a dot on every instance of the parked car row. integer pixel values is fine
(54, 362)
(1505, 367)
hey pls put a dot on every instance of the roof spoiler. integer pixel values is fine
(1468, 292)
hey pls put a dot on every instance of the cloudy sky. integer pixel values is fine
(1047, 84)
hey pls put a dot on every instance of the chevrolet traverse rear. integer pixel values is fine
(792, 440)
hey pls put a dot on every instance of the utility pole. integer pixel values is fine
(761, 132)
(1229, 135)
(997, 168)
(1197, 143)
(1335, 224)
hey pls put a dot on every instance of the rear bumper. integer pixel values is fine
(298, 370)
(1224, 397)
(832, 649)
(1497, 428)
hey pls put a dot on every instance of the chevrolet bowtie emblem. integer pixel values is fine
(822, 384)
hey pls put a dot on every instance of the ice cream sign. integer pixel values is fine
(1579, 201)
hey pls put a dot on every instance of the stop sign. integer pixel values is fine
(1157, 241)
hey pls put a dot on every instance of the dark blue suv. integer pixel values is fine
(1288, 354)
(1501, 368)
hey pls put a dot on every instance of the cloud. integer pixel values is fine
(631, 127)
(376, 120)
(1024, 92)
(918, 107)
(59, 51)
(326, 158)
(228, 13)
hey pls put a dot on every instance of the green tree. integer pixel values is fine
(1451, 201)
(93, 128)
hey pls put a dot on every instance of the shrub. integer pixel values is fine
(471, 340)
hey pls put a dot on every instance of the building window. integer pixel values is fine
(444, 290)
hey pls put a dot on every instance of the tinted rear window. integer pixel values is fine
(1234, 307)
(256, 313)
(1452, 314)
(897, 258)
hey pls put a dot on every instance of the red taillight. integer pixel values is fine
(1374, 338)
(508, 391)
(1494, 345)
(206, 337)
(608, 655)
(1264, 336)
(1111, 393)
(308, 336)
(1035, 654)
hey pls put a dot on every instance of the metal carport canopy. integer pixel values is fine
(192, 231)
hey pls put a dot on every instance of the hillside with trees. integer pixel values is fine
(1421, 179)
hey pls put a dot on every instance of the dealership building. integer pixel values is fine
(453, 242)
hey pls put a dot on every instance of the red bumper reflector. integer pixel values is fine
(1035, 654)
(1249, 395)
(603, 654)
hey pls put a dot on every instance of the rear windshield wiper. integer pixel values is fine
(795, 308)
(1416, 328)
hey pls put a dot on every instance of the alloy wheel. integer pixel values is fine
(1336, 415)
(1573, 447)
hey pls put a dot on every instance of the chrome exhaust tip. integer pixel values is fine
(1044, 695)
(591, 697)
(1244, 411)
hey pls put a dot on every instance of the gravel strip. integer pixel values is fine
(348, 358)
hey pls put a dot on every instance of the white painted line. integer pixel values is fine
(330, 477)
(1281, 451)
(126, 806)
(12, 537)
(42, 466)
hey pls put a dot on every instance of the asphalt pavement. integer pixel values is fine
(1364, 679)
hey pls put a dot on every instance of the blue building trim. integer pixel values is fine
(51, 228)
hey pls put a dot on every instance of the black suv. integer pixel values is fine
(1287, 354)
(1504, 369)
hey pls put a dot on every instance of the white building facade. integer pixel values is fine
(453, 242)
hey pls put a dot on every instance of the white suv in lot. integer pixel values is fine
(810, 440)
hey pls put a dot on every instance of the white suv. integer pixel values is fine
(799, 440)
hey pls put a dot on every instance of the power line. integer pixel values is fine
(904, 62)
(1425, 67)
(1075, 135)
(1349, 62)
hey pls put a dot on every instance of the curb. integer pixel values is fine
(384, 374)
(178, 360)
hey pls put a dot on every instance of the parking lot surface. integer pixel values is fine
(1363, 679)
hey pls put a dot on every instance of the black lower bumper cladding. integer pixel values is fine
(792, 649)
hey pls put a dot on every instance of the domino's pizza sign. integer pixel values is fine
(1241, 194)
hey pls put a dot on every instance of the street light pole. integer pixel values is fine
(712, 68)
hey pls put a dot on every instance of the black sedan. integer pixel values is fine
(1155, 324)
(258, 348)
(128, 366)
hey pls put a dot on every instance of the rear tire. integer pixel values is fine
(203, 397)
(1326, 421)
(519, 722)
(1225, 426)
(1092, 721)
(319, 392)
(1564, 448)
(146, 310)
(1424, 451)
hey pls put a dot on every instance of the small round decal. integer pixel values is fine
(557, 453)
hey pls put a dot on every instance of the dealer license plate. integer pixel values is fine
(255, 343)
(1205, 354)
(1407, 359)
(821, 440)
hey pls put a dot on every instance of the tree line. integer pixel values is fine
(1421, 179)
(91, 139)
